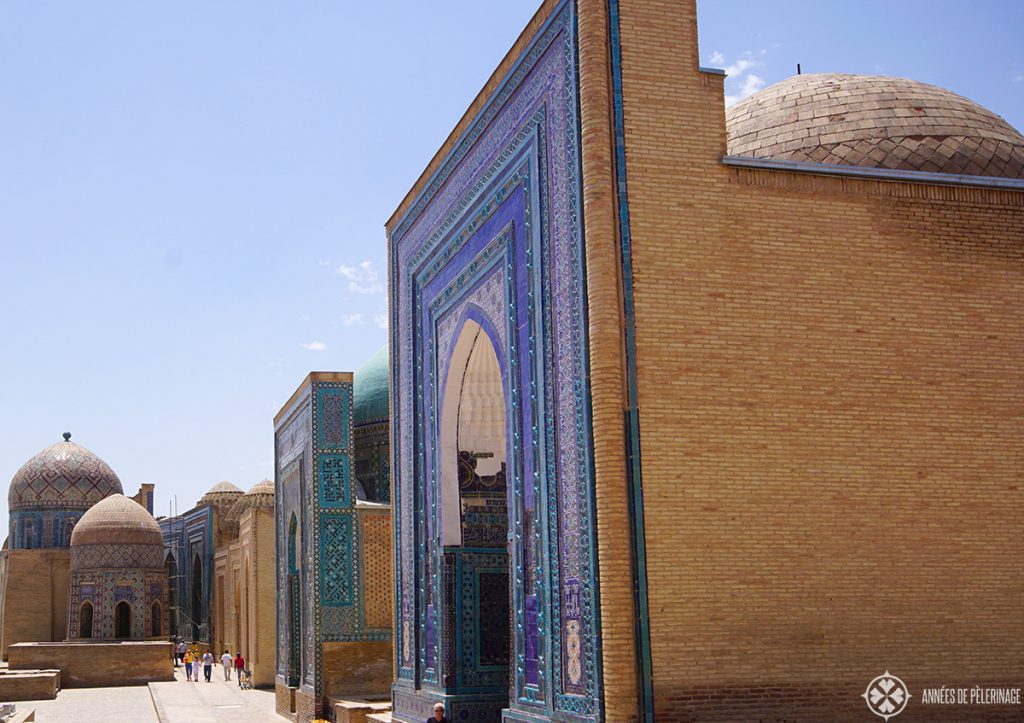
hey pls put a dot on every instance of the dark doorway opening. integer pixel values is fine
(156, 626)
(85, 620)
(122, 620)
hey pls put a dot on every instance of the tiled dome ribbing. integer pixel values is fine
(370, 390)
(874, 121)
(62, 476)
(117, 520)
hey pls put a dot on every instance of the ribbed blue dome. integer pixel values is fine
(370, 389)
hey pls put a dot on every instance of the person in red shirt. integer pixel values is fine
(239, 667)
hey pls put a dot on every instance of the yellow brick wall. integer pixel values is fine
(357, 668)
(831, 397)
(245, 600)
(377, 573)
(35, 596)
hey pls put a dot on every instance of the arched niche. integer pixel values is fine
(156, 626)
(473, 428)
(122, 620)
(85, 620)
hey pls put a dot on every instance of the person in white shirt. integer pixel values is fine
(227, 661)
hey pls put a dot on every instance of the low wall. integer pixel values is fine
(29, 685)
(357, 669)
(91, 665)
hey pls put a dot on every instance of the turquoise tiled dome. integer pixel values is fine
(370, 389)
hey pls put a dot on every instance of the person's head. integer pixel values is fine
(238, 654)
(226, 652)
(438, 711)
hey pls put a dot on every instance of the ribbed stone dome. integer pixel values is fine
(261, 495)
(222, 494)
(117, 520)
(874, 121)
(62, 476)
(370, 389)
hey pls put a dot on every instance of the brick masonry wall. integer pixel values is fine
(378, 575)
(284, 700)
(306, 708)
(92, 665)
(607, 366)
(40, 685)
(35, 607)
(832, 398)
(357, 668)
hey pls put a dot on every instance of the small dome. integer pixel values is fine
(261, 495)
(117, 520)
(876, 122)
(221, 494)
(63, 476)
(262, 489)
(370, 390)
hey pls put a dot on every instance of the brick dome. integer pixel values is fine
(876, 122)
(261, 495)
(117, 520)
(222, 494)
(63, 476)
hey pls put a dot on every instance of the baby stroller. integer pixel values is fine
(245, 679)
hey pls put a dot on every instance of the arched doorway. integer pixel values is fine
(294, 605)
(85, 620)
(122, 620)
(474, 513)
(156, 627)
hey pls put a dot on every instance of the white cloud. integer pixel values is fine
(1019, 78)
(314, 346)
(352, 319)
(716, 60)
(751, 84)
(740, 82)
(381, 320)
(362, 278)
(741, 66)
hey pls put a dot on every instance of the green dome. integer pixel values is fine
(370, 389)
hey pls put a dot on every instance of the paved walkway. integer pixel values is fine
(171, 702)
(219, 701)
(130, 704)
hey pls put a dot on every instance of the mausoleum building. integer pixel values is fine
(118, 579)
(334, 573)
(47, 497)
(700, 415)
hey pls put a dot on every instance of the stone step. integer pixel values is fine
(379, 717)
(358, 710)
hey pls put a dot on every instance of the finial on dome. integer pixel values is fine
(67, 436)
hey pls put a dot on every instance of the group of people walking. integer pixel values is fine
(192, 660)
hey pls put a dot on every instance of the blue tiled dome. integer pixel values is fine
(63, 476)
(370, 389)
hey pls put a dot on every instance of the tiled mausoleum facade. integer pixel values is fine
(118, 580)
(333, 556)
(709, 384)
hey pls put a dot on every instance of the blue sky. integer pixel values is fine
(192, 194)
